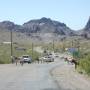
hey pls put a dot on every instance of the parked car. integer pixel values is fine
(26, 59)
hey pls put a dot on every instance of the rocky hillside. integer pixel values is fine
(8, 25)
(43, 25)
(42, 29)
(86, 31)
(87, 27)
(46, 25)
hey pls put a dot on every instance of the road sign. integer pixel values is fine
(72, 50)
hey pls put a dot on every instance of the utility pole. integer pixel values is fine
(32, 49)
(63, 45)
(53, 45)
(72, 44)
(11, 45)
(78, 45)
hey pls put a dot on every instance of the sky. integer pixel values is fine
(74, 13)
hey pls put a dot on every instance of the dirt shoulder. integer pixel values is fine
(67, 78)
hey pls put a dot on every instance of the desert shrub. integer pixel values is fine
(84, 64)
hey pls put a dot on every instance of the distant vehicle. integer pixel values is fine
(48, 59)
(50, 54)
(26, 59)
(56, 55)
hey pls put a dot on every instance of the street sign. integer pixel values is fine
(72, 50)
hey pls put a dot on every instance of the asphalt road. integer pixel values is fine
(28, 77)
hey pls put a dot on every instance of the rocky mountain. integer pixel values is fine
(87, 27)
(46, 25)
(86, 30)
(43, 25)
(8, 25)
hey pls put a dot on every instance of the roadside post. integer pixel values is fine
(11, 46)
(32, 49)
(53, 46)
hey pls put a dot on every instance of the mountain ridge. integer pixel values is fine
(44, 25)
